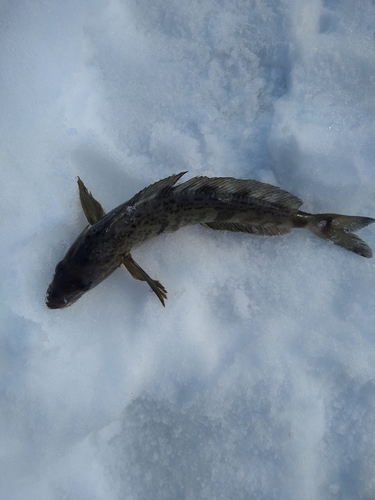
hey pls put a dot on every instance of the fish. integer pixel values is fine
(218, 203)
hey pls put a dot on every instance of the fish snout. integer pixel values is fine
(54, 300)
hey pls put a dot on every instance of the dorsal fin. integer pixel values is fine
(243, 228)
(231, 188)
(156, 189)
(151, 192)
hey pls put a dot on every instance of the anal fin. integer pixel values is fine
(243, 228)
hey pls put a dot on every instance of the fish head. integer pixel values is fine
(65, 288)
(78, 272)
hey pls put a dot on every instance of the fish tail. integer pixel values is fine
(339, 229)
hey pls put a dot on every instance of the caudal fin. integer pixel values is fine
(338, 229)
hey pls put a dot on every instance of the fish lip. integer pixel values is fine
(53, 302)
(53, 305)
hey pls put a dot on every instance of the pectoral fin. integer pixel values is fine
(91, 208)
(139, 274)
(94, 212)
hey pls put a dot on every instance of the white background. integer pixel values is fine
(257, 379)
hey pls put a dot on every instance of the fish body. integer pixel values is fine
(219, 203)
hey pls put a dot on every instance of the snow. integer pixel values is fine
(257, 380)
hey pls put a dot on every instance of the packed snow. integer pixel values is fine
(257, 380)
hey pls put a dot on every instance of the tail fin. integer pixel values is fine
(338, 229)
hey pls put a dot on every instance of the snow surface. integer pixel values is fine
(257, 381)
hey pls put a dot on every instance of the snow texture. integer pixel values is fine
(257, 381)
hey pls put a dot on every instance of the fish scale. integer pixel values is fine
(218, 203)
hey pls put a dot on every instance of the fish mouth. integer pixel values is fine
(53, 305)
(53, 301)
(58, 298)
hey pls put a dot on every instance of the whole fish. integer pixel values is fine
(221, 203)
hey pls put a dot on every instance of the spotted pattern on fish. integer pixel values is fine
(218, 203)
